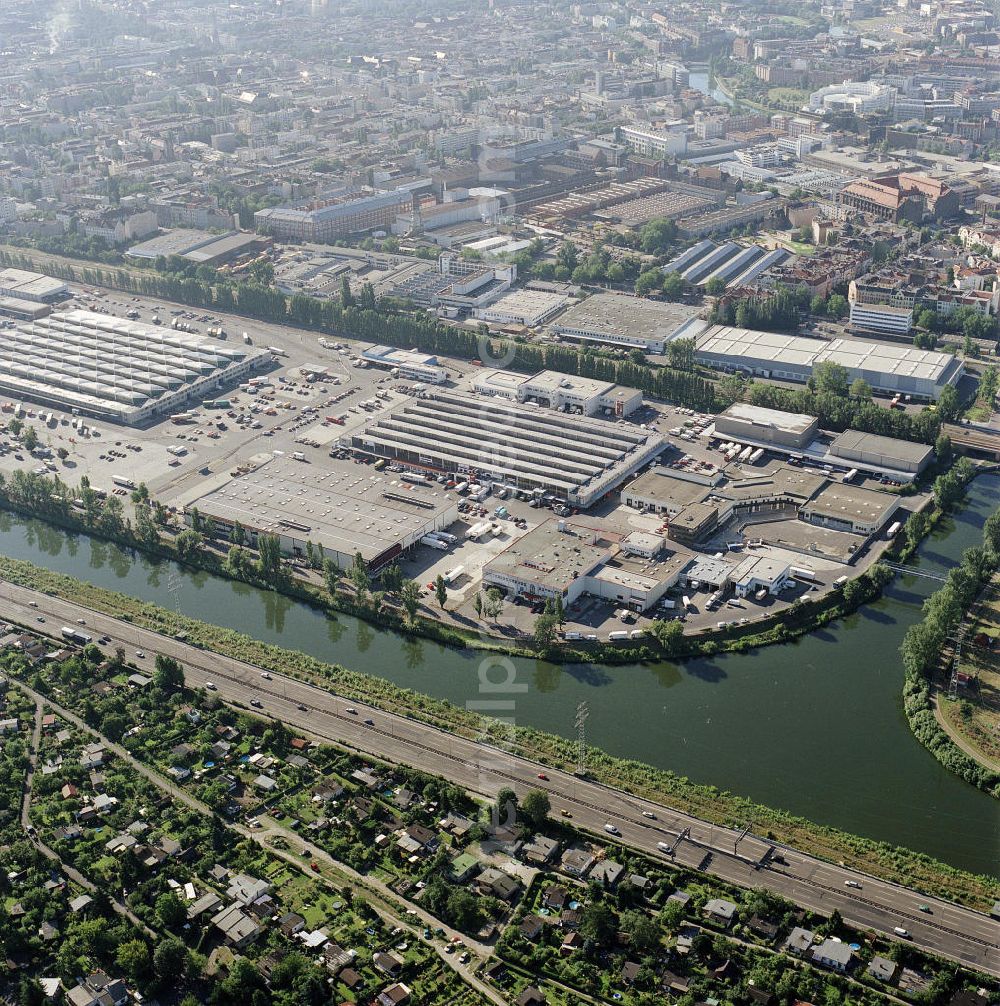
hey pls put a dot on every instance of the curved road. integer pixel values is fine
(964, 935)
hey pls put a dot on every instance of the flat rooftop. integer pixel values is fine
(847, 502)
(552, 558)
(30, 285)
(791, 422)
(664, 488)
(887, 447)
(348, 509)
(606, 314)
(175, 242)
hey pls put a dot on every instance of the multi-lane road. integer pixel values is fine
(935, 925)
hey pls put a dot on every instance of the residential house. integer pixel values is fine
(237, 928)
(540, 850)
(388, 964)
(498, 884)
(531, 996)
(244, 888)
(799, 941)
(881, 968)
(394, 995)
(720, 911)
(607, 872)
(576, 861)
(833, 954)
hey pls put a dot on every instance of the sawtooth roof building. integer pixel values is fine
(574, 458)
(111, 368)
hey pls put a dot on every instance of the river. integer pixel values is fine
(698, 79)
(814, 727)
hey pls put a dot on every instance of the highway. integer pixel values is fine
(961, 934)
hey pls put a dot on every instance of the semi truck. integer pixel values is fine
(75, 635)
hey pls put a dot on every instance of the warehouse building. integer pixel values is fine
(200, 247)
(565, 392)
(868, 450)
(346, 510)
(568, 559)
(109, 368)
(523, 307)
(575, 459)
(627, 322)
(767, 426)
(22, 285)
(904, 369)
(850, 508)
(407, 363)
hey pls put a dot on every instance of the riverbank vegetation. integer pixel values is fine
(709, 802)
(929, 645)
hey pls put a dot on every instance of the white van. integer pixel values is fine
(900, 931)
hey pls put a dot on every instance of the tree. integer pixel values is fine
(948, 404)
(535, 808)
(715, 287)
(598, 924)
(170, 911)
(916, 527)
(187, 543)
(346, 297)
(331, 576)
(410, 596)
(837, 306)
(493, 603)
(545, 632)
(680, 354)
(674, 286)
(61, 453)
(170, 959)
(668, 634)
(441, 591)
(567, 256)
(359, 575)
(477, 604)
(505, 808)
(861, 390)
(942, 448)
(648, 282)
(169, 677)
(133, 958)
(831, 378)
(657, 236)
(29, 438)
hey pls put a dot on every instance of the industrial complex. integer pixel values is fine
(576, 460)
(345, 512)
(113, 368)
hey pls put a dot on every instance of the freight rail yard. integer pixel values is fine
(536, 486)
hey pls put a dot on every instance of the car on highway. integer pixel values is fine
(649, 814)
(542, 775)
(900, 931)
(211, 686)
(32, 604)
(565, 812)
(140, 654)
(611, 829)
(265, 675)
(81, 621)
(257, 704)
(369, 723)
(663, 847)
(302, 707)
(41, 618)
(926, 909)
(351, 710)
(852, 883)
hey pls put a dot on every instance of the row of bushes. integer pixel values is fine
(925, 651)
